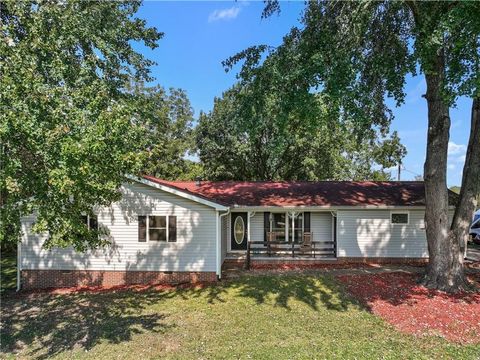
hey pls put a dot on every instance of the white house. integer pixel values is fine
(166, 231)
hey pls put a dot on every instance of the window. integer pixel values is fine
(298, 231)
(154, 228)
(157, 228)
(278, 226)
(399, 218)
(90, 221)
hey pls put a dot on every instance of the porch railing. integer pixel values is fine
(270, 248)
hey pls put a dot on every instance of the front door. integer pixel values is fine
(239, 231)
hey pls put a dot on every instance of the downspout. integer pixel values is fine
(219, 242)
(19, 284)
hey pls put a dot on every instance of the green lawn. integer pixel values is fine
(263, 317)
(8, 271)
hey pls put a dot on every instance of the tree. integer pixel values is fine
(168, 119)
(359, 53)
(456, 190)
(68, 132)
(248, 136)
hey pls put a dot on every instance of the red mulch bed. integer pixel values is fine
(414, 309)
(340, 265)
(293, 266)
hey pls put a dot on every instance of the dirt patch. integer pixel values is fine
(414, 309)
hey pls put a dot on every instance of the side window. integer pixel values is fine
(399, 218)
(157, 228)
(90, 221)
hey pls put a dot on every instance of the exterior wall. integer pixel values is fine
(194, 251)
(256, 227)
(369, 234)
(36, 279)
(321, 226)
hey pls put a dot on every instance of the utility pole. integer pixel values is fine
(399, 170)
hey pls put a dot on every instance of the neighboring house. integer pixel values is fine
(166, 231)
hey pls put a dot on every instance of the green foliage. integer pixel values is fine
(67, 124)
(250, 136)
(168, 120)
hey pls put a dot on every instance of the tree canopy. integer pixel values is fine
(68, 132)
(168, 119)
(357, 55)
(249, 136)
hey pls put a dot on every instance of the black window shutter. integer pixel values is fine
(142, 228)
(306, 221)
(172, 228)
(266, 225)
(93, 222)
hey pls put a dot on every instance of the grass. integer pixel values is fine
(8, 271)
(291, 316)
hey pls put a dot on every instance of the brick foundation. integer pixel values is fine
(40, 279)
(321, 263)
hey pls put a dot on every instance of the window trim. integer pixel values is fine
(400, 213)
(167, 219)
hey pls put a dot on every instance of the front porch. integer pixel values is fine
(276, 252)
(280, 237)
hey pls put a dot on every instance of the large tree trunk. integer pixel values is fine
(470, 182)
(445, 268)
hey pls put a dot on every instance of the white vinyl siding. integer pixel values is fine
(321, 226)
(256, 227)
(369, 233)
(195, 249)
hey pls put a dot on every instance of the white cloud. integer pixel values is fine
(456, 149)
(224, 14)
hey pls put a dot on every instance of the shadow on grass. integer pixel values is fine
(58, 323)
(8, 271)
(278, 290)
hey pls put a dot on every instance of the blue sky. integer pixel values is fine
(200, 34)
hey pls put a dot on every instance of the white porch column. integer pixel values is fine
(293, 226)
(248, 226)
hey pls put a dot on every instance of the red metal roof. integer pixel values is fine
(306, 193)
